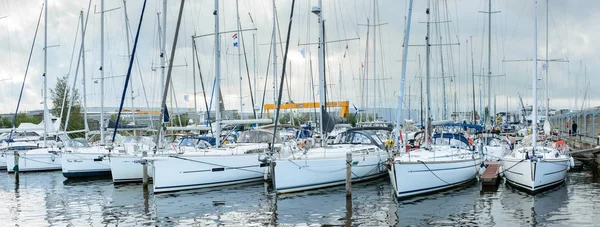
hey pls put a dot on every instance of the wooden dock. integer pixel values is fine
(490, 176)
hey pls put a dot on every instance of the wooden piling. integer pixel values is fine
(16, 167)
(348, 174)
(144, 169)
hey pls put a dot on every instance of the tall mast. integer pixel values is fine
(102, 139)
(547, 64)
(194, 75)
(274, 48)
(217, 75)
(321, 70)
(403, 79)
(445, 104)
(427, 85)
(254, 63)
(239, 33)
(163, 49)
(339, 81)
(375, 60)
(85, 122)
(535, 71)
(366, 70)
(421, 83)
(46, 69)
(473, 85)
(489, 87)
(129, 56)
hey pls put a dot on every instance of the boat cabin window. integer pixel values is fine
(453, 142)
(187, 142)
(76, 143)
(31, 134)
(257, 136)
(23, 148)
(360, 138)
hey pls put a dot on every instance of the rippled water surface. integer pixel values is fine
(47, 198)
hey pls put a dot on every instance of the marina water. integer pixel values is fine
(48, 199)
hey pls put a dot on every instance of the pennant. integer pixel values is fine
(235, 36)
(303, 53)
(235, 44)
(186, 98)
(166, 118)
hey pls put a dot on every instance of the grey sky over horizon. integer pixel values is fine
(572, 37)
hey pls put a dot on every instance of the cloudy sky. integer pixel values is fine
(571, 24)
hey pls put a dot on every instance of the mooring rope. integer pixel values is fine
(433, 172)
(47, 163)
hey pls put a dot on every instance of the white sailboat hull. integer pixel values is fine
(295, 175)
(32, 161)
(534, 176)
(128, 169)
(93, 164)
(188, 172)
(416, 178)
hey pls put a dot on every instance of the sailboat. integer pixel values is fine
(445, 160)
(91, 161)
(36, 155)
(40, 155)
(324, 166)
(196, 167)
(532, 167)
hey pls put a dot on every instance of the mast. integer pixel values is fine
(339, 81)
(374, 60)
(366, 71)
(547, 66)
(489, 87)
(45, 69)
(421, 82)
(321, 70)
(129, 56)
(254, 63)
(445, 105)
(218, 75)
(427, 79)
(102, 139)
(163, 52)
(239, 33)
(403, 78)
(194, 75)
(85, 119)
(535, 70)
(274, 48)
(473, 77)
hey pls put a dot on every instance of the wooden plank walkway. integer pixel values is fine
(490, 176)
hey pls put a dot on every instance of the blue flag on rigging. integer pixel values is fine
(166, 118)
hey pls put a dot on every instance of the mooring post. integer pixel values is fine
(144, 168)
(348, 174)
(16, 167)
